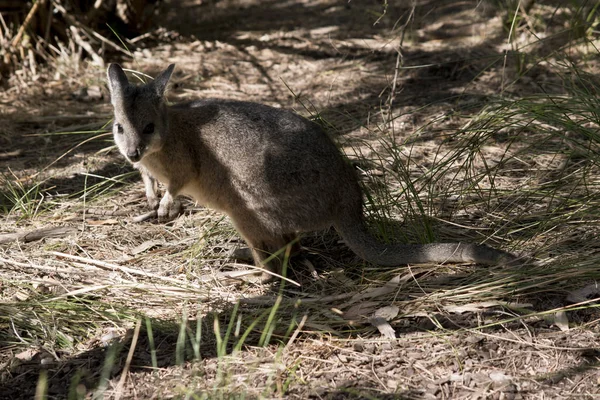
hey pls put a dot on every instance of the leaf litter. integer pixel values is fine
(352, 330)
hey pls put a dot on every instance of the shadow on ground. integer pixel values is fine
(245, 327)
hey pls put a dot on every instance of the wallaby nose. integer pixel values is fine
(134, 156)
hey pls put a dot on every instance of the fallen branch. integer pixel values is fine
(10, 154)
(37, 234)
(98, 212)
(30, 266)
(114, 267)
(86, 46)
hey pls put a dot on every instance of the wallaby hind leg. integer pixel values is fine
(269, 253)
(268, 248)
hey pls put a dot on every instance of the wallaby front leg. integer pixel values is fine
(151, 186)
(169, 207)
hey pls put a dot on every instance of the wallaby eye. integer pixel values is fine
(149, 129)
(119, 128)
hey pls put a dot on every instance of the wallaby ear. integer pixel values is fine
(160, 82)
(117, 81)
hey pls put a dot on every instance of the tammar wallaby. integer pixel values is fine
(273, 172)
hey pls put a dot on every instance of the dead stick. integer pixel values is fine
(28, 19)
(144, 217)
(115, 267)
(37, 234)
(98, 36)
(39, 267)
(106, 213)
(134, 339)
(11, 154)
(86, 46)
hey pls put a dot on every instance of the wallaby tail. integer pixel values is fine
(358, 238)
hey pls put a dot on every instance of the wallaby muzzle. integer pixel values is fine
(134, 156)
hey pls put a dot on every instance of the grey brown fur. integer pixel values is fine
(274, 173)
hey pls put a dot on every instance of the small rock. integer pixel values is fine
(392, 384)
(358, 346)
(369, 348)
(498, 376)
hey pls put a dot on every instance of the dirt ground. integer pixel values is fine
(370, 69)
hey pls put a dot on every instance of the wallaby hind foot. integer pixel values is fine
(271, 253)
(273, 172)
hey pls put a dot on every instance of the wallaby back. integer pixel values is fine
(274, 173)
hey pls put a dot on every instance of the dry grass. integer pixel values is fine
(459, 134)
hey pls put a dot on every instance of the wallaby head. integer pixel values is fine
(140, 124)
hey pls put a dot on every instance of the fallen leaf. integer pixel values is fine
(26, 355)
(361, 310)
(380, 318)
(387, 312)
(561, 320)
(147, 245)
(389, 287)
(383, 327)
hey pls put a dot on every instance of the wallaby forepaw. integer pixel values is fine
(153, 202)
(169, 210)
